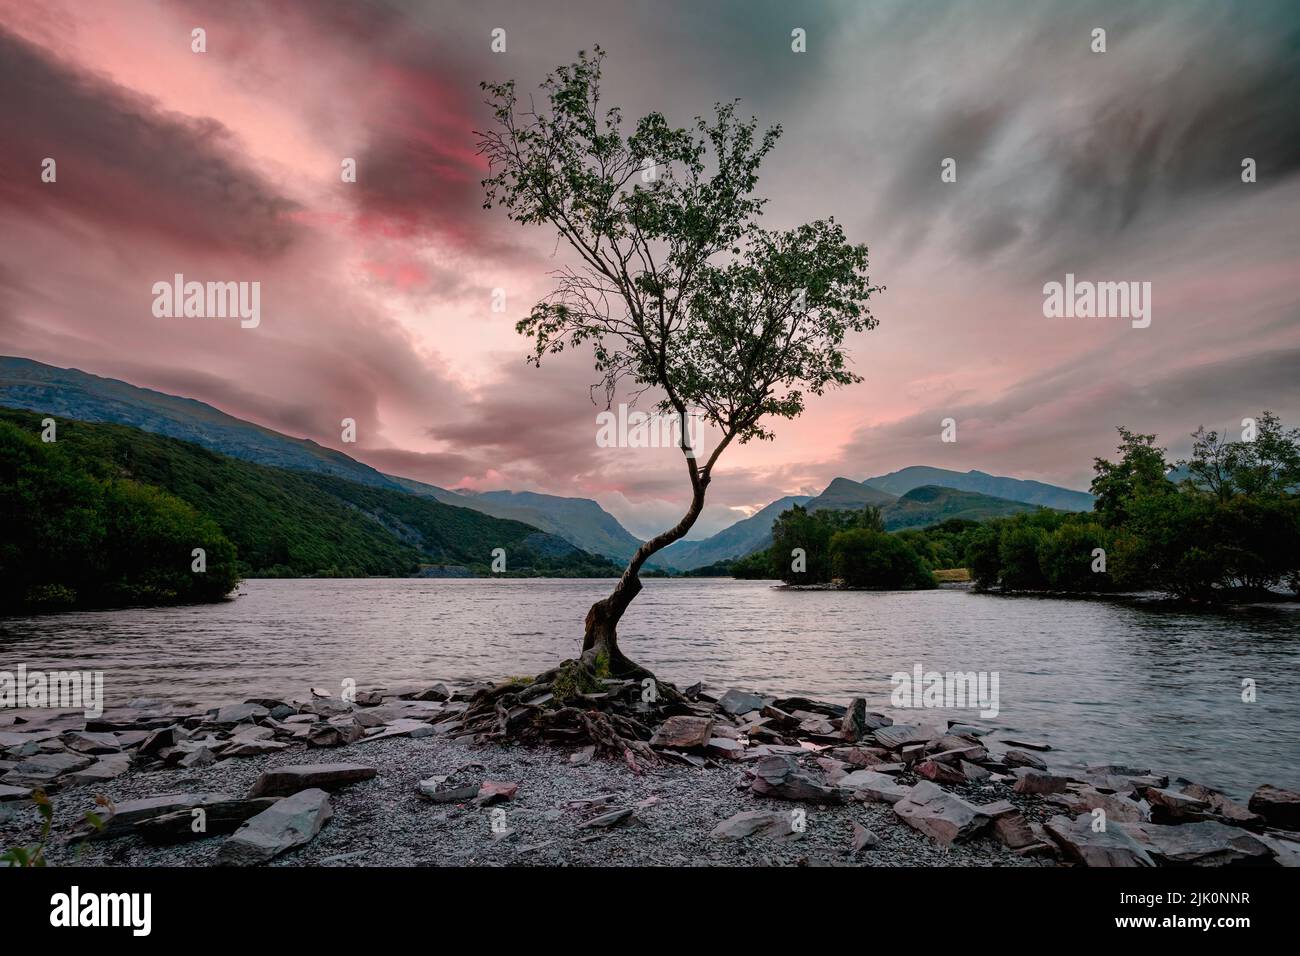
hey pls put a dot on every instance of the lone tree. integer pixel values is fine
(678, 290)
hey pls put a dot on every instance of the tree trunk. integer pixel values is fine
(600, 641)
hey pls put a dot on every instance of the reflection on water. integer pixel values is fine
(1099, 680)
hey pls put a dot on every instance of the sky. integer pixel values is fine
(377, 295)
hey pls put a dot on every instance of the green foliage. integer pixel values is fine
(76, 538)
(869, 558)
(812, 531)
(1232, 528)
(754, 567)
(1139, 474)
(1067, 556)
(677, 287)
(106, 514)
(942, 545)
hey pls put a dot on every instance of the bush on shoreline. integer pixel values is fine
(1229, 529)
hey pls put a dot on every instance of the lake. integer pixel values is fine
(1100, 680)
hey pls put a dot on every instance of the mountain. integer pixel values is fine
(75, 394)
(71, 393)
(288, 522)
(581, 521)
(917, 508)
(744, 537)
(931, 504)
(844, 494)
(1012, 489)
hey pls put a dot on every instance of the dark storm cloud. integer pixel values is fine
(1073, 149)
(125, 164)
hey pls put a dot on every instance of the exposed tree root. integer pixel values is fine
(575, 704)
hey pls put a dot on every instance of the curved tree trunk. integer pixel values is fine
(600, 640)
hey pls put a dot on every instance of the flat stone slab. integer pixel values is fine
(129, 813)
(1029, 780)
(761, 823)
(286, 824)
(1019, 758)
(402, 727)
(1204, 843)
(1111, 847)
(900, 735)
(101, 771)
(940, 815)
(683, 733)
(1281, 808)
(737, 702)
(237, 713)
(224, 816)
(779, 776)
(92, 743)
(325, 776)
(870, 786)
(52, 765)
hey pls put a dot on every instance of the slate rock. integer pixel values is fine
(128, 814)
(606, 820)
(237, 713)
(872, 787)
(898, 736)
(325, 776)
(863, 839)
(1018, 758)
(853, 725)
(223, 816)
(940, 815)
(736, 702)
(761, 823)
(1224, 807)
(1029, 780)
(779, 776)
(1202, 843)
(288, 823)
(1108, 848)
(496, 791)
(683, 733)
(1281, 808)
(940, 772)
(1168, 806)
(106, 768)
(92, 743)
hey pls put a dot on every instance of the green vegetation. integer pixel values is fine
(108, 515)
(1230, 529)
(864, 558)
(817, 547)
(77, 537)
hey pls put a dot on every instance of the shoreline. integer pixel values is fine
(733, 779)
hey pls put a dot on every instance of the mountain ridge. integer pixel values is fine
(77, 394)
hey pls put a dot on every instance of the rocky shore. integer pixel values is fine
(394, 777)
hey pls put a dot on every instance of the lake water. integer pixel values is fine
(1101, 681)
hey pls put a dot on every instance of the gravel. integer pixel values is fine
(382, 822)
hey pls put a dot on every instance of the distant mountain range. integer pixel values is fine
(287, 522)
(910, 497)
(72, 393)
(1013, 489)
(918, 507)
